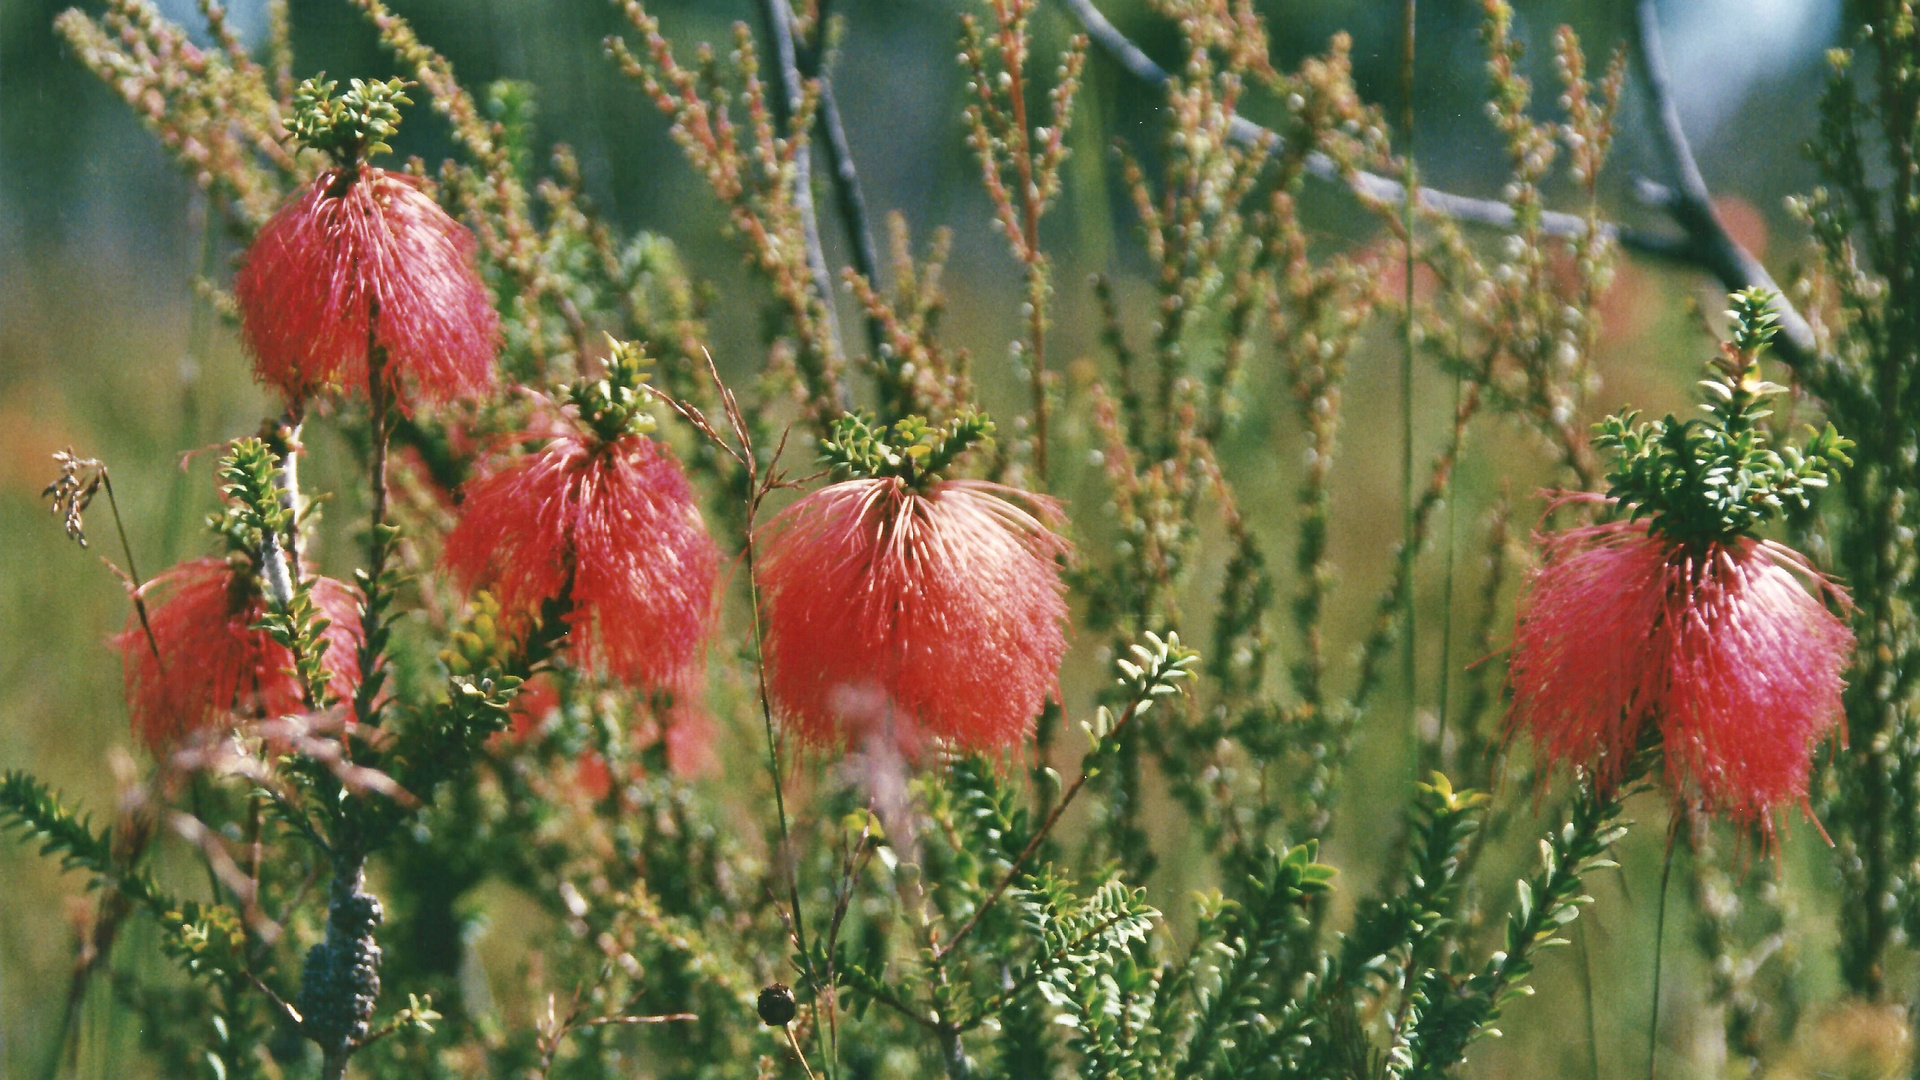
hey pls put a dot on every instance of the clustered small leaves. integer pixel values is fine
(1159, 667)
(350, 127)
(1860, 301)
(910, 448)
(615, 404)
(1020, 157)
(748, 144)
(1710, 480)
(255, 516)
(31, 807)
(205, 939)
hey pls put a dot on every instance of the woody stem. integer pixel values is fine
(341, 980)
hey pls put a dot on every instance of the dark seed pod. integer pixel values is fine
(776, 1005)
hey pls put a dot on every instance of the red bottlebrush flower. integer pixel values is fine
(212, 665)
(611, 527)
(897, 614)
(1722, 646)
(364, 253)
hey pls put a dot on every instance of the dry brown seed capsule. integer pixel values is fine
(776, 1005)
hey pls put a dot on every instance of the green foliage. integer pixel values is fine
(1458, 1004)
(206, 940)
(441, 741)
(1863, 220)
(615, 404)
(29, 806)
(257, 519)
(353, 126)
(1442, 829)
(1249, 940)
(379, 588)
(1706, 481)
(253, 500)
(910, 448)
(1084, 967)
(514, 105)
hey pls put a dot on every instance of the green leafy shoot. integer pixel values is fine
(254, 514)
(1712, 479)
(910, 448)
(29, 806)
(1158, 668)
(615, 404)
(352, 126)
(1459, 1005)
(256, 520)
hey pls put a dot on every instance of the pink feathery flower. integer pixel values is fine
(1721, 645)
(903, 615)
(612, 529)
(212, 665)
(363, 254)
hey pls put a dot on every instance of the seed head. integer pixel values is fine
(776, 1005)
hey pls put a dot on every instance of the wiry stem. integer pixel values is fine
(133, 570)
(1659, 939)
(379, 420)
(1036, 263)
(952, 1054)
(1409, 659)
(1690, 202)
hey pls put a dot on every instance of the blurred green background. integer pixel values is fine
(105, 347)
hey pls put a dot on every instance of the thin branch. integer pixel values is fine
(1704, 244)
(133, 570)
(759, 485)
(1033, 845)
(999, 1001)
(849, 198)
(280, 1005)
(72, 492)
(886, 997)
(797, 1052)
(555, 1030)
(1690, 204)
(786, 101)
